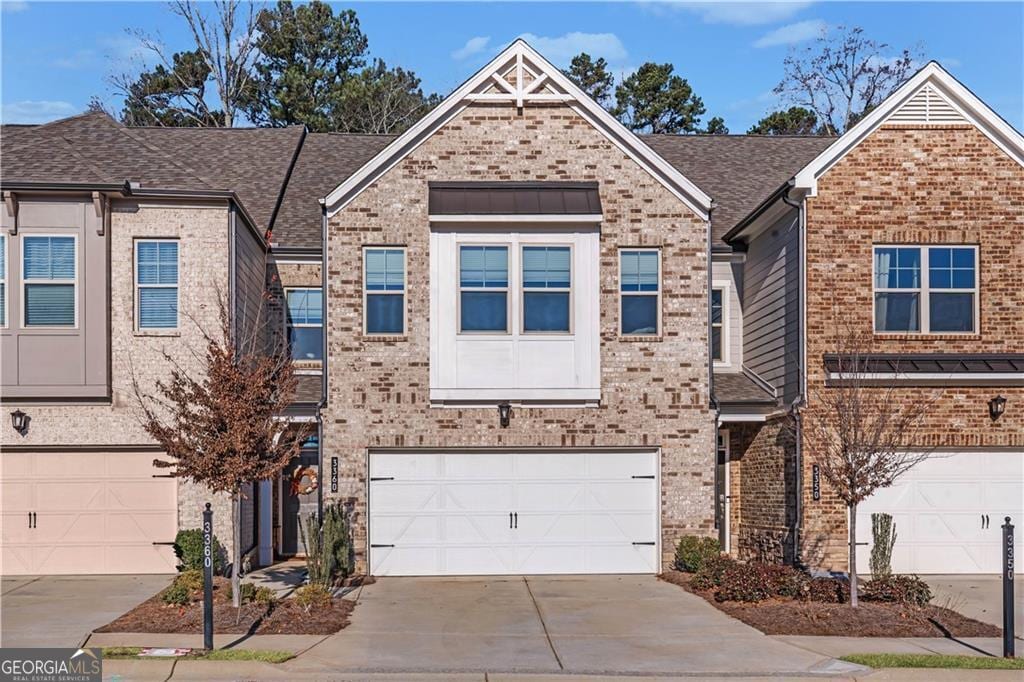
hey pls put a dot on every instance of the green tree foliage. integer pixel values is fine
(592, 77)
(654, 100)
(307, 54)
(716, 126)
(792, 121)
(174, 96)
(380, 100)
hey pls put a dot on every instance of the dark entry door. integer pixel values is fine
(295, 504)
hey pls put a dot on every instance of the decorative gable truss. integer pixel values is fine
(521, 77)
(931, 97)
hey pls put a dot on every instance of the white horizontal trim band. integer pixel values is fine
(516, 218)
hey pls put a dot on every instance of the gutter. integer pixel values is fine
(799, 400)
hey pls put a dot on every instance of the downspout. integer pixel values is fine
(323, 354)
(794, 408)
(712, 400)
(232, 280)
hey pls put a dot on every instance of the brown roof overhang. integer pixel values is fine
(515, 198)
(927, 363)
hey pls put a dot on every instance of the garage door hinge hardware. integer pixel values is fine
(164, 476)
(32, 519)
(373, 545)
(643, 543)
(650, 476)
(169, 544)
(381, 478)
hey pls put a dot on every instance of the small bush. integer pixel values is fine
(176, 594)
(248, 592)
(902, 589)
(744, 582)
(265, 596)
(785, 581)
(313, 596)
(694, 551)
(828, 590)
(710, 575)
(188, 547)
(191, 580)
(883, 537)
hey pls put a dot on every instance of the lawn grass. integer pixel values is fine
(123, 652)
(935, 661)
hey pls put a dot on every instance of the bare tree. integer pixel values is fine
(842, 76)
(862, 434)
(219, 425)
(174, 92)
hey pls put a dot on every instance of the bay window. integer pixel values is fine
(926, 289)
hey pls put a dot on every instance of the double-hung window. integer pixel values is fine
(483, 289)
(640, 292)
(930, 289)
(547, 287)
(384, 291)
(3, 280)
(156, 283)
(717, 324)
(49, 276)
(305, 324)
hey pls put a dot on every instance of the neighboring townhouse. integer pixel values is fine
(902, 231)
(527, 340)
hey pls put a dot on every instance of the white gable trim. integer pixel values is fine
(547, 84)
(962, 100)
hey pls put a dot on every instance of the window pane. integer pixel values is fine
(897, 268)
(951, 312)
(546, 311)
(157, 262)
(896, 312)
(3, 257)
(385, 270)
(158, 307)
(716, 343)
(305, 306)
(546, 267)
(950, 268)
(716, 306)
(639, 315)
(50, 305)
(484, 311)
(49, 258)
(483, 266)
(306, 343)
(3, 303)
(384, 314)
(639, 270)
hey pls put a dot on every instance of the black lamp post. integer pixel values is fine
(19, 420)
(996, 407)
(504, 414)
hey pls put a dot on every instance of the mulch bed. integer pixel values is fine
(869, 619)
(284, 618)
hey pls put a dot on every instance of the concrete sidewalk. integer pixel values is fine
(845, 646)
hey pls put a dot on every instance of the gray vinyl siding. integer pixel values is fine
(252, 312)
(724, 271)
(771, 314)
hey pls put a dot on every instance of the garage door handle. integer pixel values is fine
(517, 519)
(372, 546)
(381, 478)
(644, 543)
(510, 520)
(169, 544)
(650, 477)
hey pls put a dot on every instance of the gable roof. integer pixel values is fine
(738, 171)
(520, 74)
(324, 158)
(955, 101)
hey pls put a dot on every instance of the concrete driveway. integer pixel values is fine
(977, 596)
(591, 624)
(61, 611)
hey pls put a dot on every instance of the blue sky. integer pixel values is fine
(57, 55)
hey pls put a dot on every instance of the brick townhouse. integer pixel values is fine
(528, 340)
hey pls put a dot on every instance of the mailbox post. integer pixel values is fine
(208, 578)
(1008, 568)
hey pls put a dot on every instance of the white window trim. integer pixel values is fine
(139, 286)
(302, 325)
(621, 293)
(25, 282)
(523, 289)
(725, 360)
(512, 266)
(6, 281)
(923, 290)
(723, 441)
(404, 292)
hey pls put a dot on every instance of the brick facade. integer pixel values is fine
(654, 392)
(916, 184)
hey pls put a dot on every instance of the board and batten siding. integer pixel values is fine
(771, 311)
(731, 274)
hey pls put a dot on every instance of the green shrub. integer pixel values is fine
(786, 581)
(743, 582)
(248, 592)
(191, 580)
(330, 556)
(694, 551)
(883, 535)
(176, 594)
(188, 547)
(265, 596)
(828, 590)
(710, 574)
(313, 596)
(902, 589)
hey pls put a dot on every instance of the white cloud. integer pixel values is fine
(36, 111)
(472, 47)
(561, 49)
(791, 34)
(12, 6)
(81, 59)
(743, 13)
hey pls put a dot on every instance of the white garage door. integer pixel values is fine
(948, 511)
(495, 513)
(83, 513)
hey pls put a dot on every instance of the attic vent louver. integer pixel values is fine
(927, 106)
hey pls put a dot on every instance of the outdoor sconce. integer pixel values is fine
(19, 420)
(996, 407)
(504, 414)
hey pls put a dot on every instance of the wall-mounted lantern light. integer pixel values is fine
(996, 407)
(19, 420)
(504, 414)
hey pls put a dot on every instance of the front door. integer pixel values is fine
(296, 505)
